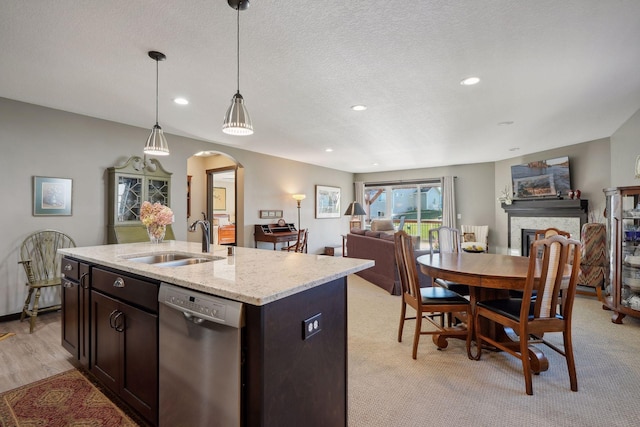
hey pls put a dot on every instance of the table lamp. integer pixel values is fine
(355, 209)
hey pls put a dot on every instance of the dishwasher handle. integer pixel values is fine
(193, 319)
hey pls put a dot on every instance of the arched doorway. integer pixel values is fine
(215, 189)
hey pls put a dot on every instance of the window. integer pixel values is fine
(420, 202)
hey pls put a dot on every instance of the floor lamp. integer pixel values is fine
(354, 209)
(298, 198)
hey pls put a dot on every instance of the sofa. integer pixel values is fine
(379, 247)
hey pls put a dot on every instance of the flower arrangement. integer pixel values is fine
(155, 217)
(505, 196)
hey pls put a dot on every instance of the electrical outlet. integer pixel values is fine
(311, 326)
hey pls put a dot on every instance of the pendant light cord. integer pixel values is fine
(156, 92)
(238, 44)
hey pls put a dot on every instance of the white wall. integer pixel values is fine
(625, 149)
(38, 141)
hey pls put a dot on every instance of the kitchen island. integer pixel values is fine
(288, 377)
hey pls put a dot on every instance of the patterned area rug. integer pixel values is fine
(66, 399)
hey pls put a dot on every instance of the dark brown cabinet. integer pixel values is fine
(623, 223)
(75, 309)
(124, 319)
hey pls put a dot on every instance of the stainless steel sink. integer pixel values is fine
(171, 259)
(158, 258)
(186, 261)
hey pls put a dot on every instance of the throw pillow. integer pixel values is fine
(469, 237)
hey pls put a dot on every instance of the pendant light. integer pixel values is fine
(156, 143)
(237, 120)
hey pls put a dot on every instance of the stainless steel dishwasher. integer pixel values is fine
(200, 359)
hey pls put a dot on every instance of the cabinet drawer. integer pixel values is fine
(70, 269)
(126, 288)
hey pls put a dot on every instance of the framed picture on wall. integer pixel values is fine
(327, 201)
(51, 196)
(219, 199)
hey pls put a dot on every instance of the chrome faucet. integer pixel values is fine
(204, 224)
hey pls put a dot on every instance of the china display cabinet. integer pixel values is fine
(136, 181)
(623, 223)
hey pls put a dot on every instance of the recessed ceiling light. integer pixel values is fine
(358, 107)
(469, 81)
(514, 148)
(328, 150)
(374, 164)
(507, 123)
(181, 101)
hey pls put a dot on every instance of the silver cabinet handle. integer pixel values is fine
(83, 283)
(119, 327)
(111, 325)
(68, 267)
(67, 284)
(119, 283)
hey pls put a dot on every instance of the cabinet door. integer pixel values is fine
(84, 294)
(70, 318)
(629, 296)
(158, 191)
(128, 198)
(105, 346)
(140, 364)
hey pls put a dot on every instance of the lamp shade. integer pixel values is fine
(156, 143)
(237, 120)
(299, 197)
(355, 208)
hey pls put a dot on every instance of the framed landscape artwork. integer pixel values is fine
(51, 196)
(327, 201)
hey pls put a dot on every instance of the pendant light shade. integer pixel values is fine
(156, 143)
(237, 120)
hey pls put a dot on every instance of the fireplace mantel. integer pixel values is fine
(567, 214)
(549, 207)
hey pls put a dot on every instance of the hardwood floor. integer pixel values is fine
(25, 357)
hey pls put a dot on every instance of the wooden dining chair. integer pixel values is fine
(447, 240)
(532, 317)
(551, 231)
(425, 301)
(41, 261)
(539, 235)
(300, 245)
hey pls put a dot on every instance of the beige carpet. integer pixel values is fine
(5, 335)
(444, 388)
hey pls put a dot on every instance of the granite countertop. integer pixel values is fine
(253, 276)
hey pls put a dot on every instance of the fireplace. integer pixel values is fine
(528, 235)
(526, 216)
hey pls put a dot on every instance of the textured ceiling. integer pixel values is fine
(563, 72)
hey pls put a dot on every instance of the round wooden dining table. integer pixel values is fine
(489, 276)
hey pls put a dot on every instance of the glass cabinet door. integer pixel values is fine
(630, 268)
(158, 191)
(129, 198)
